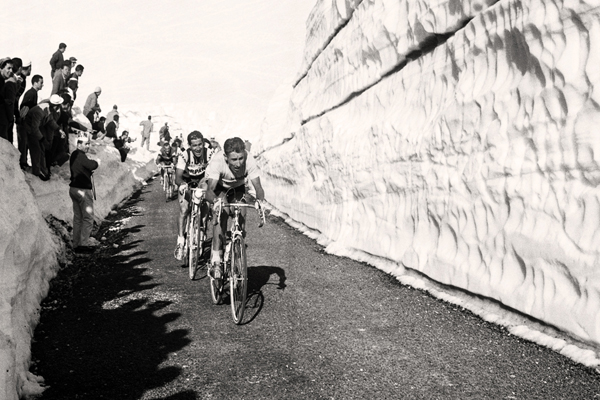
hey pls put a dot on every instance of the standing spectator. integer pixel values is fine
(164, 131)
(57, 60)
(81, 193)
(30, 100)
(112, 127)
(6, 105)
(111, 114)
(22, 75)
(59, 82)
(91, 106)
(73, 82)
(40, 123)
(12, 86)
(148, 126)
(73, 62)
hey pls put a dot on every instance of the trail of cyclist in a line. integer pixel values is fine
(130, 324)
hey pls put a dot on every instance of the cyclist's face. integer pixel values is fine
(237, 163)
(196, 147)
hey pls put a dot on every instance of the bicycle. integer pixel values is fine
(195, 231)
(235, 268)
(168, 181)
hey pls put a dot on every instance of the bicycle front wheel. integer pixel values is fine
(238, 281)
(168, 187)
(193, 243)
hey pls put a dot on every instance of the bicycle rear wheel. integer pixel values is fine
(238, 281)
(216, 289)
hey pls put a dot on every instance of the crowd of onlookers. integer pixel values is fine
(42, 126)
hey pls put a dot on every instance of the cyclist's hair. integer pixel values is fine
(234, 144)
(195, 135)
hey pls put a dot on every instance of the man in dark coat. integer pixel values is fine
(30, 100)
(6, 105)
(57, 60)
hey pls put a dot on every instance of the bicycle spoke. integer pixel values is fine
(238, 281)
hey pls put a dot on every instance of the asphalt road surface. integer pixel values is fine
(128, 323)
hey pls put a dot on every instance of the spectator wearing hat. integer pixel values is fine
(11, 90)
(82, 195)
(6, 105)
(111, 114)
(30, 100)
(148, 126)
(73, 82)
(57, 60)
(22, 75)
(40, 123)
(92, 106)
(59, 82)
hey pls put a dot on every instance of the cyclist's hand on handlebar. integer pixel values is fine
(183, 187)
(217, 205)
(261, 212)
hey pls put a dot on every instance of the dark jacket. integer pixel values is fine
(41, 122)
(30, 99)
(111, 130)
(81, 170)
(57, 61)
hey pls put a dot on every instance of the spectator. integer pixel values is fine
(121, 145)
(12, 85)
(164, 131)
(22, 75)
(111, 114)
(112, 127)
(81, 191)
(91, 106)
(30, 100)
(6, 111)
(40, 123)
(59, 82)
(57, 60)
(73, 62)
(98, 128)
(73, 82)
(148, 126)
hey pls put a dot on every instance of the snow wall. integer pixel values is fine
(31, 251)
(453, 138)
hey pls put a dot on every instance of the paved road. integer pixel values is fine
(129, 324)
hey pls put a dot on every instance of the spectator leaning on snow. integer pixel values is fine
(121, 144)
(61, 77)
(148, 126)
(57, 60)
(91, 106)
(40, 123)
(82, 195)
(73, 82)
(30, 100)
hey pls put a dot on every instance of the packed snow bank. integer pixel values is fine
(30, 252)
(472, 161)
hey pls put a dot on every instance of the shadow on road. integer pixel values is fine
(258, 277)
(103, 333)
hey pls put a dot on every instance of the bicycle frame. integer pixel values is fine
(196, 230)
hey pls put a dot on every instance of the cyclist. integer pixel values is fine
(165, 157)
(228, 175)
(189, 172)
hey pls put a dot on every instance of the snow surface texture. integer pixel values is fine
(460, 135)
(30, 252)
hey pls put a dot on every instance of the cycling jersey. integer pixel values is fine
(219, 170)
(165, 156)
(193, 167)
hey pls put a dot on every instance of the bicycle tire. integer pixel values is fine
(168, 187)
(216, 289)
(238, 279)
(194, 244)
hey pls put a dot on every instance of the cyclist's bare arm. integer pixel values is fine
(260, 193)
(210, 190)
(178, 176)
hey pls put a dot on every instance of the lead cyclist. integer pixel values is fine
(228, 175)
(189, 172)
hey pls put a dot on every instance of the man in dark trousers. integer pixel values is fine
(81, 192)
(30, 100)
(57, 60)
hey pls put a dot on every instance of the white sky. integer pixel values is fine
(224, 53)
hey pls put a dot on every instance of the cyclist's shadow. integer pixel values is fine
(258, 277)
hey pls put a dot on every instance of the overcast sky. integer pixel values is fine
(221, 52)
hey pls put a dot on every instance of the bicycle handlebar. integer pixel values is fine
(259, 209)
